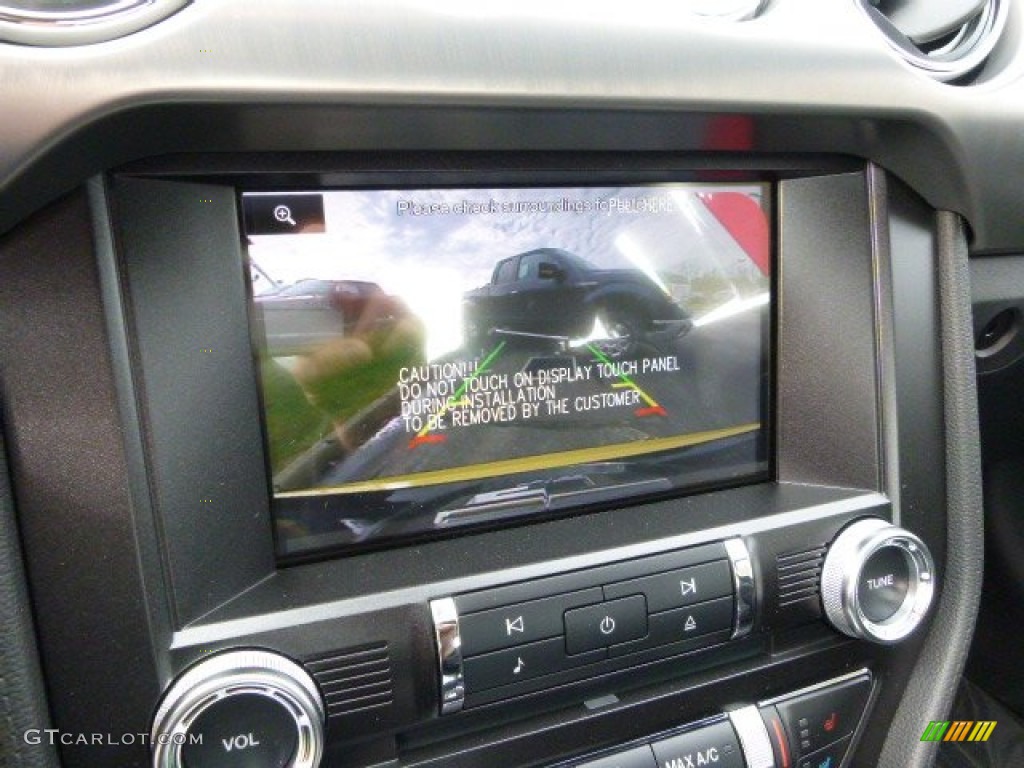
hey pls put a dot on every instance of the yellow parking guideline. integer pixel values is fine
(528, 463)
(627, 381)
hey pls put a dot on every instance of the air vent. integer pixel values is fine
(799, 576)
(948, 40)
(353, 680)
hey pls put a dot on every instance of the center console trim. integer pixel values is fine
(217, 631)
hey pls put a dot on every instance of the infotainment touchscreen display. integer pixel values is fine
(436, 360)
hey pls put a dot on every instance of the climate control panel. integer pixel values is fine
(810, 728)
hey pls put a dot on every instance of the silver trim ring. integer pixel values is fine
(964, 52)
(83, 26)
(235, 673)
(840, 581)
(754, 739)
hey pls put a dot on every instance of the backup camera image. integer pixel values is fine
(432, 359)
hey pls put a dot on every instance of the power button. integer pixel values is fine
(604, 624)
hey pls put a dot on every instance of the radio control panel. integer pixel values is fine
(506, 641)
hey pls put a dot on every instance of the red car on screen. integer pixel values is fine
(312, 312)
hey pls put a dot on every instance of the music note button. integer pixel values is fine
(524, 662)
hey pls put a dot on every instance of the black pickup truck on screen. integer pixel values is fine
(551, 295)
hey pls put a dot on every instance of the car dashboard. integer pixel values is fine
(739, 520)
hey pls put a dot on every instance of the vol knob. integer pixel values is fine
(878, 581)
(240, 709)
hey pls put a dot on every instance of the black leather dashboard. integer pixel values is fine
(115, 579)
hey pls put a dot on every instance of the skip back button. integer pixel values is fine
(520, 623)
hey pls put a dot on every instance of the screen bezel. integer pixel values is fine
(200, 468)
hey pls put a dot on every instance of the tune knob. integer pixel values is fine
(250, 708)
(878, 581)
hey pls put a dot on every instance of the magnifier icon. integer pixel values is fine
(284, 214)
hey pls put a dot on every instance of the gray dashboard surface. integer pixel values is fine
(232, 75)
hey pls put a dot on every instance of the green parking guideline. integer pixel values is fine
(424, 436)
